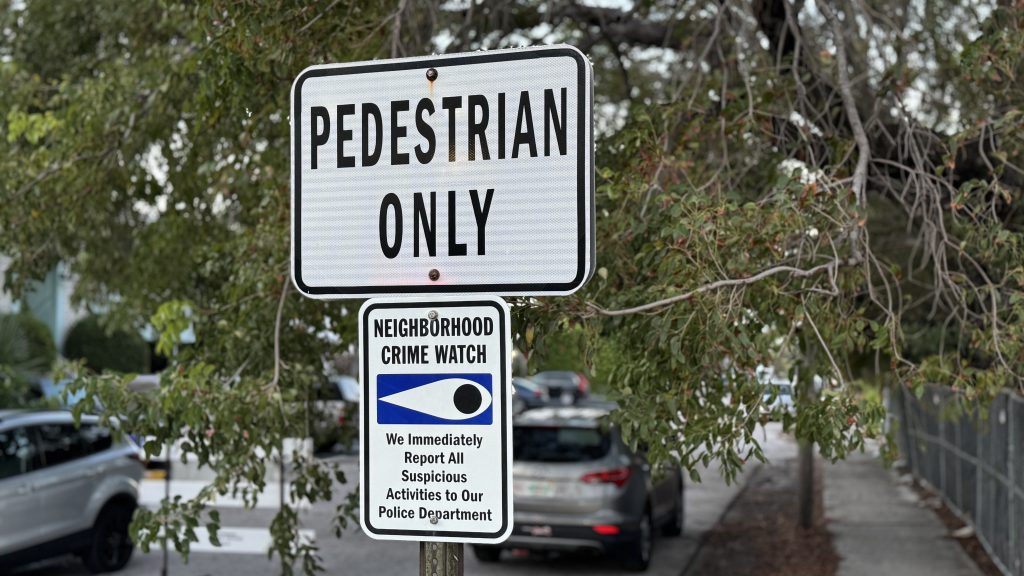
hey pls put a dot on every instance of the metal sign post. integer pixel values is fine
(441, 559)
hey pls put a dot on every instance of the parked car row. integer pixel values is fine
(563, 386)
(577, 485)
(558, 387)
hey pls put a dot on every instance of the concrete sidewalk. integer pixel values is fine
(878, 526)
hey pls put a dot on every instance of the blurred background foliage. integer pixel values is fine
(838, 187)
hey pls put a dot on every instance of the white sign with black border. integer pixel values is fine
(435, 419)
(460, 173)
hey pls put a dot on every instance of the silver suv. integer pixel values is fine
(65, 489)
(577, 486)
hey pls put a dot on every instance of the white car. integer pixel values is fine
(65, 489)
(335, 414)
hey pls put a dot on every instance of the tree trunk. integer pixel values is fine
(806, 487)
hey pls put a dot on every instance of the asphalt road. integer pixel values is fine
(244, 537)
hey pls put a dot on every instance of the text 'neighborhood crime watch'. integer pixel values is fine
(433, 328)
(541, 129)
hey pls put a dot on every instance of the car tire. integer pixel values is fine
(487, 554)
(636, 556)
(674, 526)
(110, 548)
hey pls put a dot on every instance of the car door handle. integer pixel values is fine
(22, 490)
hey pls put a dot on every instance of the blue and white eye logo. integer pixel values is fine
(434, 399)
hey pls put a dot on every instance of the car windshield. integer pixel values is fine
(558, 444)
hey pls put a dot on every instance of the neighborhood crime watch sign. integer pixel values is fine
(435, 419)
(462, 173)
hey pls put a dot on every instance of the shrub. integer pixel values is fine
(39, 340)
(17, 368)
(118, 351)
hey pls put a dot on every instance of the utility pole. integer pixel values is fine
(441, 559)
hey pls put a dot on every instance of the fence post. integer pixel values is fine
(979, 461)
(940, 443)
(1011, 475)
(958, 442)
(908, 439)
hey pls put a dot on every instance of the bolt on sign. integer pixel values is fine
(435, 419)
(462, 173)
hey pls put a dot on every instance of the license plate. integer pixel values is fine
(537, 530)
(534, 488)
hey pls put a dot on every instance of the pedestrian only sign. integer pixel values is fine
(459, 173)
(435, 419)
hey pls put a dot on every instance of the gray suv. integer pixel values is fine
(577, 486)
(65, 489)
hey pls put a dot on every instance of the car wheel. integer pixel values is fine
(110, 548)
(636, 556)
(674, 527)
(487, 554)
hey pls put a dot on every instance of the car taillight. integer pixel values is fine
(341, 419)
(537, 394)
(584, 385)
(617, 476)
(134, 456)
(606, 529)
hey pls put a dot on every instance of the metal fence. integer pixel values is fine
(974, 461)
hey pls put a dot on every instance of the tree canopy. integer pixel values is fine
(833, 185)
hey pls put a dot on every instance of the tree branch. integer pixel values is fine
(860, 174)
(619, 26)
(277, 334)
(396, 31)
(792, 271)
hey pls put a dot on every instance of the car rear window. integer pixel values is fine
(558, 444)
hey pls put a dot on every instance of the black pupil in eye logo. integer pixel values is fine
(467, 398)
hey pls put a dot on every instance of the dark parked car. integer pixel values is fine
(563, 386)
(528, 394)
(577, 486)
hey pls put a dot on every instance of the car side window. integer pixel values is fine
(60, 443)
(95, 438)
(18, 454)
